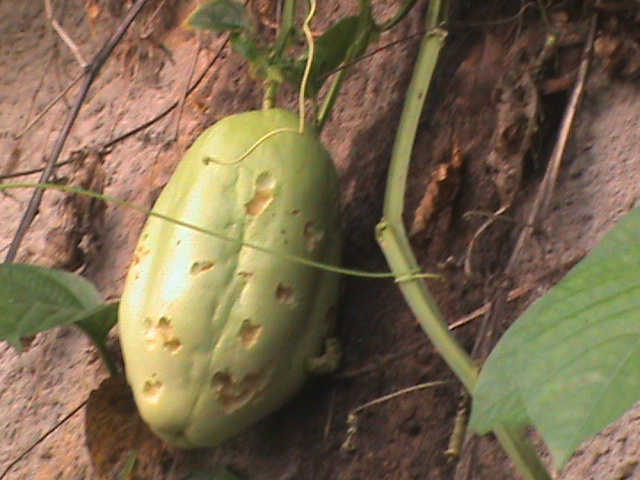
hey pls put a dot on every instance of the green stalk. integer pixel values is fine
(270, 95)
(286, 28)
(392, 238)
(106, 357)
(285, 33)
(393, 242)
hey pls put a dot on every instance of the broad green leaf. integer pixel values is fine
(220, 16)
(331, 49)
(497, 399)
(574, 356)
(33, 299)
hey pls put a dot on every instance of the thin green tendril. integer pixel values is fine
(306, 28)
(257, 143)
(211, 233)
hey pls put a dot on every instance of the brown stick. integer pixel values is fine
(42, 438)
(91, 72)
(125, 135)
(71, 45)
(545, 192)
(171, 106)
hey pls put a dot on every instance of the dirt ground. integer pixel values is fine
(384, 348)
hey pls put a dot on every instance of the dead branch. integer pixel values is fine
(545, 192)
(91, 72)
(171, 106)
(71, 45)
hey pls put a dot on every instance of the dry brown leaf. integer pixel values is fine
(441, 191)
(114, 429)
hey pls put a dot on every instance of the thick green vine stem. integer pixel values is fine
(392, 238)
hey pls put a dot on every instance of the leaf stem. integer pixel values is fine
(270, 94)
(286, 28)
(106, 358)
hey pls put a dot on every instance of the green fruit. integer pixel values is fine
(217, 335)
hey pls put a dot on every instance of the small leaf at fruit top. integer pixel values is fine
(262, 65)
(220, 16)
(34, 299)
(570, 365)
(332, 47)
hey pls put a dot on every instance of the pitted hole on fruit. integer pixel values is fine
(173, 345)
(285, 295)
(246, 276)
(150, 333)
(313, 235)
(161, 333)
(139, 255)
(201, 267)
(152, 389)
(295, 212)
(232, 393)
(166, 332)
(263, 194)
(249, 333)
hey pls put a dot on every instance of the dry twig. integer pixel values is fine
(64, 35)
(545, 192)
(91, 72)
(42, 438)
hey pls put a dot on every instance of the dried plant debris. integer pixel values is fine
(114, 429)
(618, 47)
(518, 106)
(441, 191)
(75, 235)
(12, 163)
(143, 53)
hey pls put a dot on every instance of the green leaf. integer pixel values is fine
(572, 360)
(497, 399)
(261, 64)
(33, 299)
(331, 49)
(220, 16)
